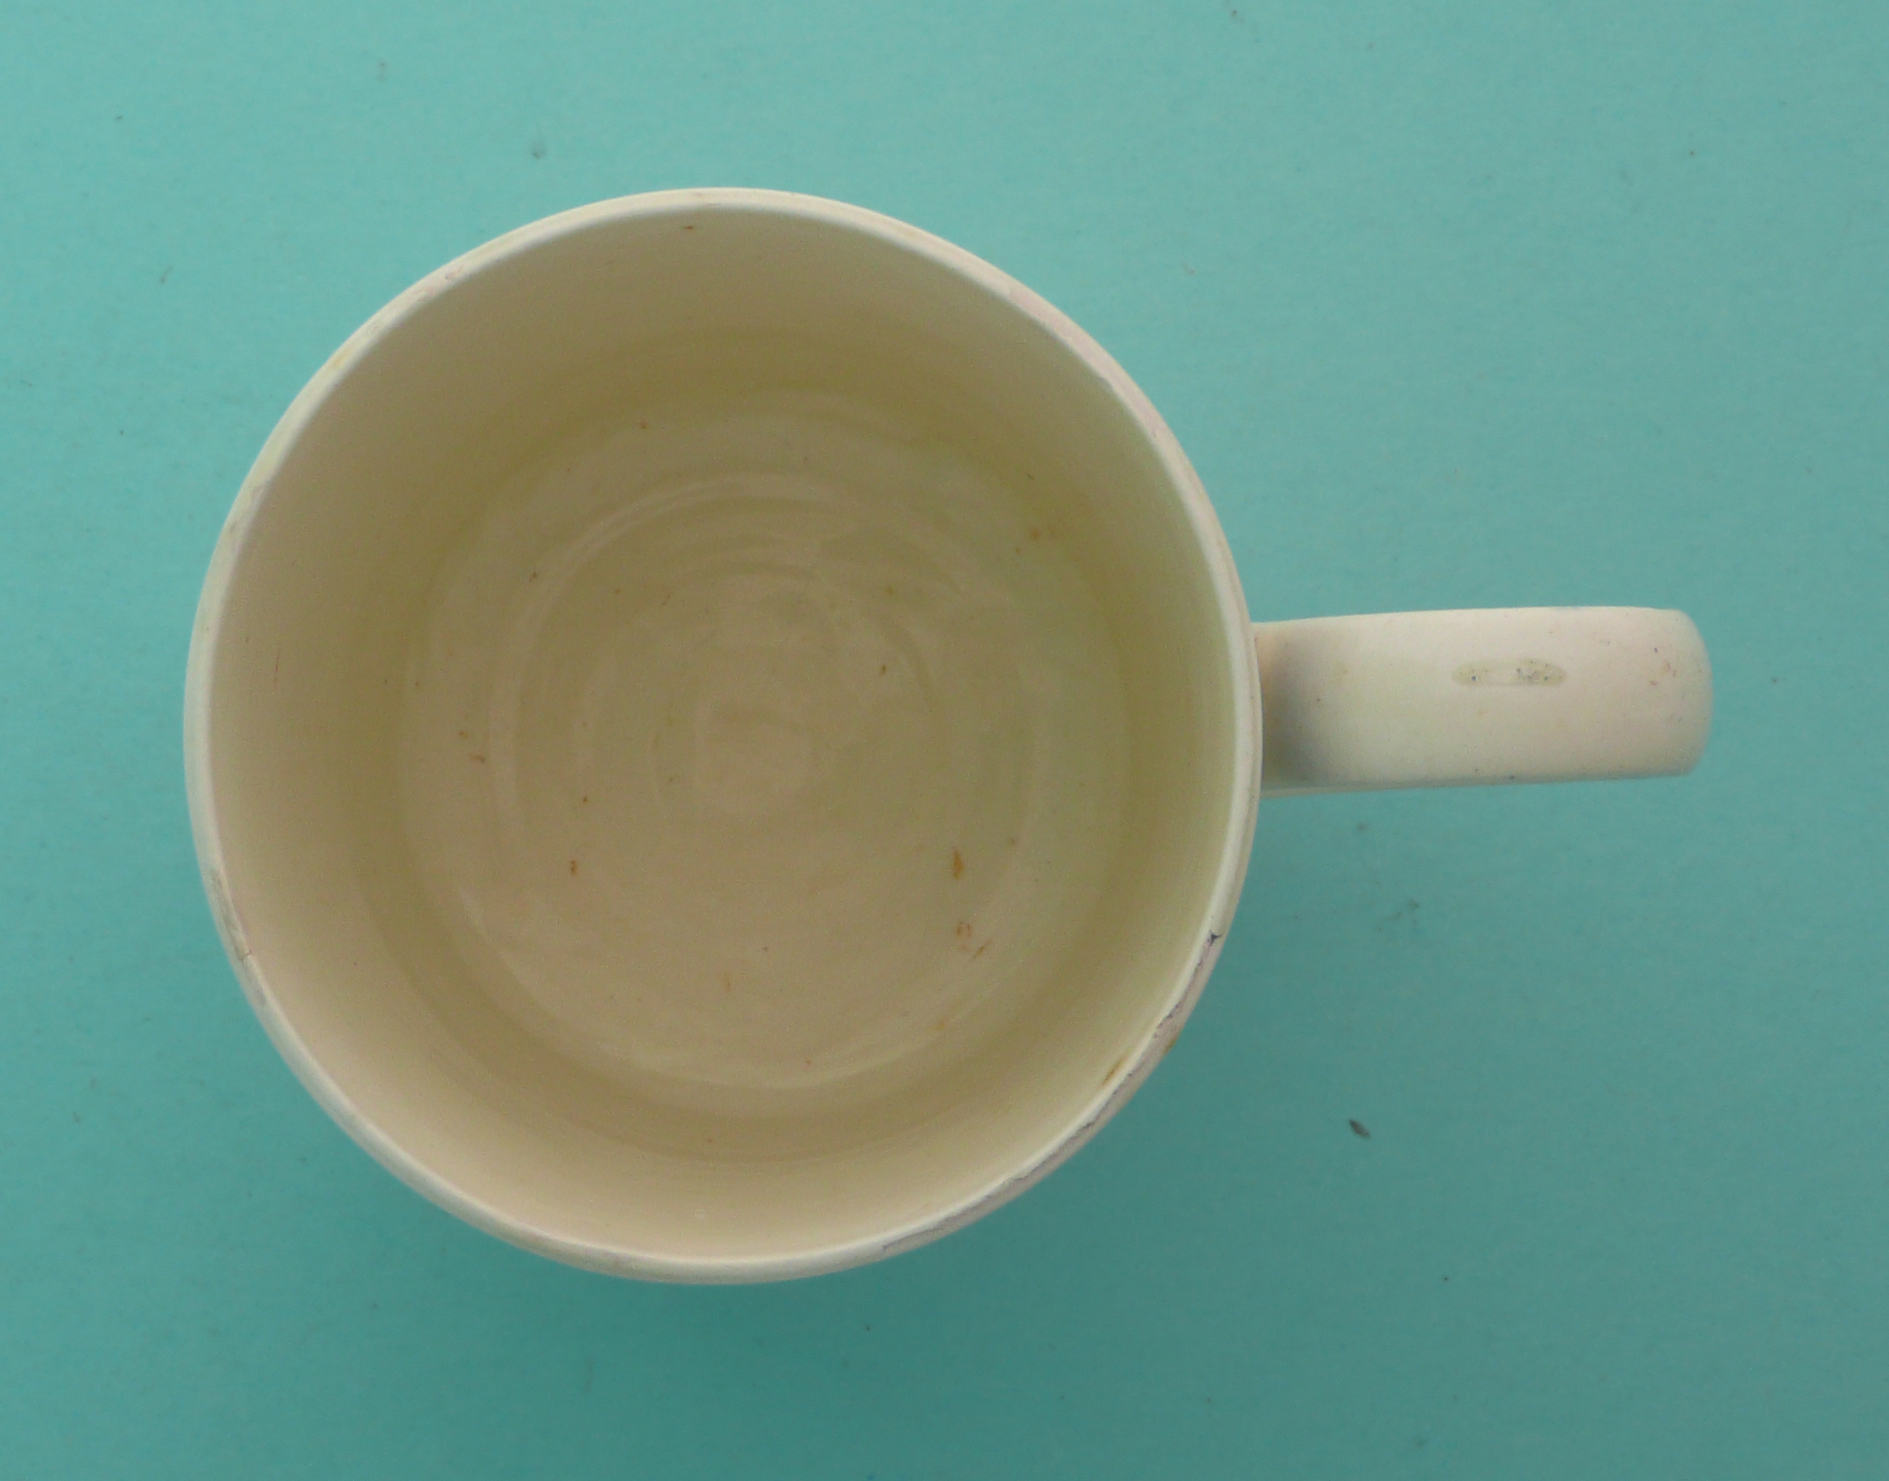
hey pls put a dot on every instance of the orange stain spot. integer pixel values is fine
(957, 864)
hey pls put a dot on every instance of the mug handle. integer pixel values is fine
(1450, 699)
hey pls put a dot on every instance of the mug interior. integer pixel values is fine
(724, 734)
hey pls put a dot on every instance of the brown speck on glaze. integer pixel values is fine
(476, 757)
(957, 859)
(573, 868)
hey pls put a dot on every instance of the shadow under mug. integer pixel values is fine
(723, 733)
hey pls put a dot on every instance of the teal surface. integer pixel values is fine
(1483, 303)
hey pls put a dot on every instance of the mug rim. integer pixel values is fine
(1238, 653)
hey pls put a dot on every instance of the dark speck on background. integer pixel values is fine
(1358, 1128)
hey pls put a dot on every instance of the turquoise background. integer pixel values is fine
(1488, 302)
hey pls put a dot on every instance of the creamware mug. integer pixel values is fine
(723, 733)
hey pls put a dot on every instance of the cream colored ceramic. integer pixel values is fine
(723, 735)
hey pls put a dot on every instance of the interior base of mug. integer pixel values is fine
(721, 739)
(759, 754)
